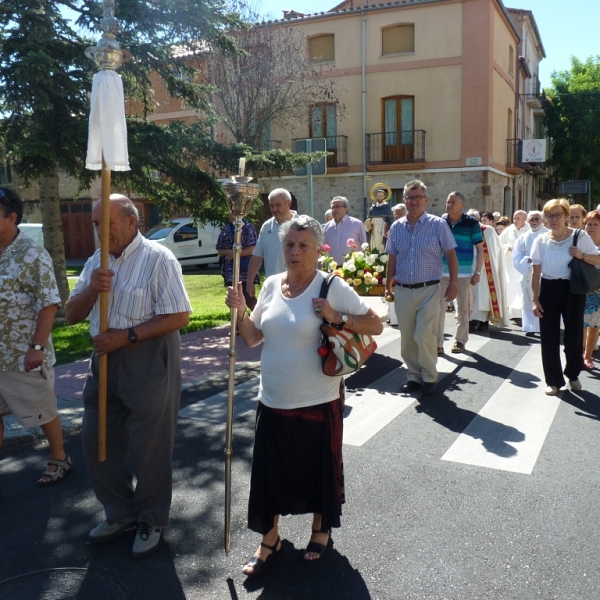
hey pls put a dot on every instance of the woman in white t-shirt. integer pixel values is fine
(551, 254)
(297, 457)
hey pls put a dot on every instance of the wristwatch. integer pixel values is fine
(477, 273)
(345, 318)
(132, 336)
(35, 346)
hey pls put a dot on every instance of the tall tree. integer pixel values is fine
(270, 84)
(45, 80)
(572, 119)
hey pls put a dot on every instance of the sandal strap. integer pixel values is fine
(272, 548)
(66, 463)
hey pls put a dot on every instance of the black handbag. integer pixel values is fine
(585, 278)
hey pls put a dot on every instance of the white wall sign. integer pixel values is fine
(534, 151)
(473, 161)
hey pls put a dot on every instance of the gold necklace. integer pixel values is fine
(291, 288)
(562, 237)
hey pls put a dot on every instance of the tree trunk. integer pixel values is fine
(53, 231)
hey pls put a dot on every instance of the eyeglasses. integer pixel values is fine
(559, 215)
(414, 198)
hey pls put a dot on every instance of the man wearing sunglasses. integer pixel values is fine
(28, 302)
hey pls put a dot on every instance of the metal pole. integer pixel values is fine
(309, 180)
(241, 195)
(237, 249)
(363, 77)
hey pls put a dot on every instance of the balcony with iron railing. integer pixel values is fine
(395, 148)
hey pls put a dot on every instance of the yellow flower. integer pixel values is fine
(357, 282)
(338, 273)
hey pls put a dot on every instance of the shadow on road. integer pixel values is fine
(446, 412)
(292, 578)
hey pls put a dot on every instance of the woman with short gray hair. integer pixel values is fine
(297, 457)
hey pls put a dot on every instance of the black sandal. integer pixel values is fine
(257, 563)
(315, 547)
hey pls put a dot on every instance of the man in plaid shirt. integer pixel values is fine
(415, 247)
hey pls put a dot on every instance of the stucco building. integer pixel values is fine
(437, 90)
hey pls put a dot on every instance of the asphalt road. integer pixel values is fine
(415, 525)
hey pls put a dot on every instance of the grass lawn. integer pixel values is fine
(207, 296)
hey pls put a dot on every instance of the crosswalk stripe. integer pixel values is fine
(371, 410)
(510, 430)
(367, 411)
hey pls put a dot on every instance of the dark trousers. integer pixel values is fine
(144, 385)
(557, 302)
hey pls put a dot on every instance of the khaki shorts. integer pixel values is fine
(28, 396)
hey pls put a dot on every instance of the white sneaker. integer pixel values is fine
(551, 390)
(109, 530)
(146, 540)
(575, 385)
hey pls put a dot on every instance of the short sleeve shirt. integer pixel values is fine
(268, 246)
(147, 282)
(467, 233)
(419, 251)
(27, 285)
(226, 241)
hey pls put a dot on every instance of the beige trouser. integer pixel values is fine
(463, 311)
(418, 312)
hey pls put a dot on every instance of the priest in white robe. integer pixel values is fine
(522, 263)
(508, 239)
(489, 295)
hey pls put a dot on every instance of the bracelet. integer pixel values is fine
(583, 257)
(477, 273)
(352, 326)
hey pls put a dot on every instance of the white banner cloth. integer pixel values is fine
(108, 131)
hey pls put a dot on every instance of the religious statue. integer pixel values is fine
(380, 216)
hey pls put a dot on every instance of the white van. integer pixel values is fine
(191, 245)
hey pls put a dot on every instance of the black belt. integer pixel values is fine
(412, 286)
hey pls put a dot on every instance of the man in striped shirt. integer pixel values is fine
(147, 305)
(415, 246)
(469, 240)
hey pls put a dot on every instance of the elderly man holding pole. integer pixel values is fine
(147, 305)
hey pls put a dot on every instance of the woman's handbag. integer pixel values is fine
(585, 278)
(344, 351)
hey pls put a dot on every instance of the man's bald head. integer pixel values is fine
(123, 222)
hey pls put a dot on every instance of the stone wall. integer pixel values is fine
(484, 190)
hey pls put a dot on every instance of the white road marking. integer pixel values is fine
(371, 410)
(510, 430)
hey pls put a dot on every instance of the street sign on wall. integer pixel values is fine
(534, 151)
(574, 187)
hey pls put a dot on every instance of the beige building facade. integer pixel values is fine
(427, 90)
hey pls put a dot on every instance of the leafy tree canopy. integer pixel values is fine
(572, 119)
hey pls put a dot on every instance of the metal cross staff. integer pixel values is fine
(240, 194)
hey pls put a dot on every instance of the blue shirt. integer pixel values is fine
(419, 252)
(467, 233)
(338, 234)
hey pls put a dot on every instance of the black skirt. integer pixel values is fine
(297, 464)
